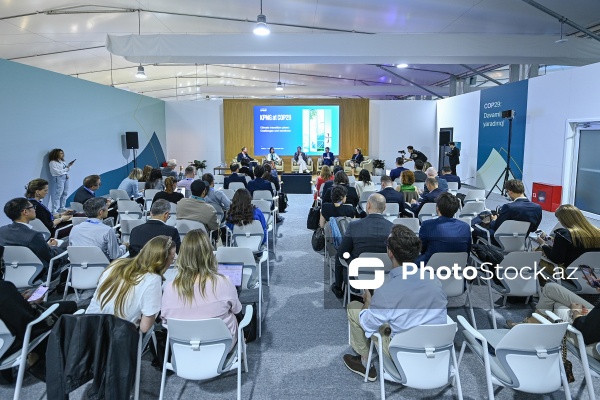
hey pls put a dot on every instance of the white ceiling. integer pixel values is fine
(35, 33)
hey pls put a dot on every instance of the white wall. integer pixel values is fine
(195, 132)
(462, 114)
(394, 125)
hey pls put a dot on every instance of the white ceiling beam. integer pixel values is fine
(362, 90)
(351, 48)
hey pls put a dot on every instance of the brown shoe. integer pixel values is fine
(354, 364)
(511, 324)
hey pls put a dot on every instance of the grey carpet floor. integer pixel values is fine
(305, 336)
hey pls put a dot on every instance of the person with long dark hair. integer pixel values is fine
(243, 212)
(59, 170)
(35, 191)
(169, 192)
(155, 181)
(364, 183)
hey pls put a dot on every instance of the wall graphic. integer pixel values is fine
(493, 132)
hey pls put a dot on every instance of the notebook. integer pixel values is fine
(233, 270)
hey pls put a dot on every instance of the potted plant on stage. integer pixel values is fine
(379, 167)
(200, 166)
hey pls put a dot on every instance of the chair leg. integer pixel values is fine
(456, 375)
(462, 352)
(369, 359)
(67, 284)
(492, 305)
(138, 368)
(565, 382)
(22, 366)
(163, 377)
(471, 307)
(381, 369)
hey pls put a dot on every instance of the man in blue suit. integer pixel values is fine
(442, 184)
(449, 177)
(259, 183)
(444, 234)
(433, 192)
(234, 177)
(392, 195)
(520, 209)
(395, 173)
(328, 157)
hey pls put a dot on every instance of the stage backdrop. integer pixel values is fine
(238, 124)
(492, 149)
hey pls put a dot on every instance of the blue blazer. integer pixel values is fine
(330, 160)
(393, 196)
(519, 210)
(17, 234)
(395, 173)
(430, 197)
(452, 178)
(442, 185)
(235, 177)
(260, 184)
(444, 235)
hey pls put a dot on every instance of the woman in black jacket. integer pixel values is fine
(36, 190)
(341, 178)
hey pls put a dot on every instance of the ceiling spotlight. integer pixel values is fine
(402, 65)
(561, 40)
(279, 86)
(140, 74)
(261, 28)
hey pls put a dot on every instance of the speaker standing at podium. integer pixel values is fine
(453, 157)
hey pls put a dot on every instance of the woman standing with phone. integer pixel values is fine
(60, 180)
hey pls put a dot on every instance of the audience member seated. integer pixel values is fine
(156, 180)
(392, 196)
(169, 170)
(199, 291)
(155, 226)
(169, 194)
(396, 172)
(16, 312)
(341, 178)
(20, 211)
(323, 177)
(329, 183)
(365, 235)
(130, 288)
(433, 192)
(190, 176)
(215, 197)
(336, 208)
(259, 183)
(271, 177)
(130, 184)
(401, 303)
(442, 183)
(444, 234)
(519, 209)
(246, 169)
(420, 176)
(243, 212)
(576, 236)
(91, 183)
(234, 177)
(35, 192)
(449, 177)
(571, 308)
(146, 173)
(92, 232)
(364, 183)
(407, 180)
(196, 208)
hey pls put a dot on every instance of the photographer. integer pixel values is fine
(416, 154)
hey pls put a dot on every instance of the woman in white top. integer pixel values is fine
(60, 183)
(364, 183)
(130, 184)
(130, 288)
(272, 157)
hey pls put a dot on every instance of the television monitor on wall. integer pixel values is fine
(311, 127)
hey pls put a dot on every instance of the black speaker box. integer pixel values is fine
(297, 183)
(445, 138)
(131, 139)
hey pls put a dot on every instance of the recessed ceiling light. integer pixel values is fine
(402, 65)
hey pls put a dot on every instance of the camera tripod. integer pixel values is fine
(507, 171)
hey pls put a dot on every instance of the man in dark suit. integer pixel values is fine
(414, 154)
(20, 233)
(155, 226)
(453, 157)
(234, 177)
(444, 234)
(244, 156)
(442, 183)
(365, 235)
(420, 176)
(328, 157)
(259, 183)
(392, 195)
(246, 169)
(449, 176)
(88, 190)
(520, 209)
(395, 173)
(431, 196)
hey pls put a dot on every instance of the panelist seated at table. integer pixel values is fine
(328, 157)
(244, 156)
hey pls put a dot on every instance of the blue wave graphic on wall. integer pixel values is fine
(153, 154)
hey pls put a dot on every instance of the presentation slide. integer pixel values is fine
(286, 127)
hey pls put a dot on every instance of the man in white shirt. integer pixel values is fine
(401, 303)
(93, 232)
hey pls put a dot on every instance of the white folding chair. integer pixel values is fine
(428, 211)
(517, 276)
(511, 235)
(127, 226)
(454, 287)
(87, 263)
(236, 185)
(173, 215)
(251, 236)
(200, 350)
(266, 195)
(22, 266)
(19, 358)
(526, 358)
(376, 181)
(422, 357)
(466, 220)
(148, 197)
(185, 225)
(129, 209)
(475, 195)
(578, 283)
(39, 226)
(118, 194)
(410, 223)
(420, 186)
(362, 201)
(391, 211)
(453, 187)
(351, 180)
(265, 207)
(471, 209)
(228, 193)
(141, 186)
(75, 206)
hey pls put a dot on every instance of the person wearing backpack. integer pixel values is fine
(365, 235)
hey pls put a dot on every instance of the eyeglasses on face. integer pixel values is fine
(30, 207)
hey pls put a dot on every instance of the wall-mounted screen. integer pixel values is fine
(286, 127)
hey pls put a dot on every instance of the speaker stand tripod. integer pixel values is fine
(507, 171)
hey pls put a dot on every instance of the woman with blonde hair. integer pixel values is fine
(130, 184)
(325, 176)
(130, 288)
(169, 194)
(199, 291)
(146, 174)
(577, 236)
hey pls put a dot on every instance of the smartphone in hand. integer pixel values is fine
(38, 294)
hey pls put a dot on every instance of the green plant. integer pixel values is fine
(199, 164)
(379, 164)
